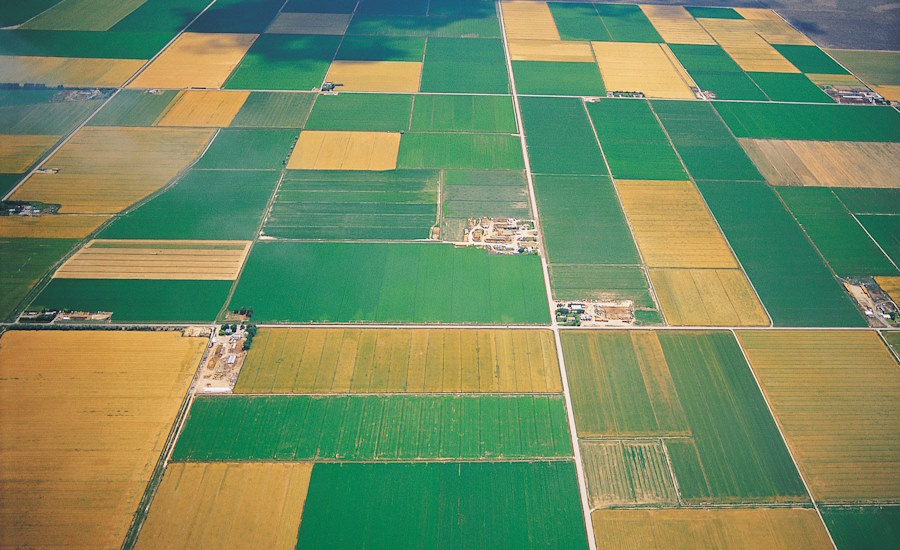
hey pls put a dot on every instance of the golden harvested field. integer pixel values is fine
(836, 396)
(203, 108)
(550, 50)
(528, 21)
(773, 28)
(707, 297)
(376, 76)
(739, 38)
(177, 260)
(672, 225)
(639, 67)
(676, 25)
(327, 150)
(891, 285)
(19, 152)
(84, 416)
(72, 72)
(50, 227)
(351, 360)
(106, 169)
(83, 15)
(309, 23)
(748, 529)
(196, 60)
(834, 80)
(825, 163)
(627, 473)
(889, 92)
(227, 505)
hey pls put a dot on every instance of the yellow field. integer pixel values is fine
(707, 297)
(106, 169)
(72, 72)
(203, 108)
(376, 76)
(528, 21)
(84, 416)
(676, 25)
(550, 50)
(227, 505)
(400, 360)
(758, 14)
(178, 260)
(627, 473)
(834, 80)
(825, 163)
(888, 92)
(49, 227)
(891, 285)
(672, 226)
(309, 23)
(196, 60)
(83, 15)
(836, 396)
(326, 150)
(638, 67)
(773, 28)
(19, 152)
(739, 38)
(749, 529)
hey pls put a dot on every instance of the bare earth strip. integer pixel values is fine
(19, 152)
(72, 72)
(196, 60)
(204, 108)
(739, 38)
(83, 419)
(836, 395)
(676, 25)
(627, 473)
(707, 297)
(400, 360)
(49, 227)
(227, 505)
(178, 260)
(325, 150)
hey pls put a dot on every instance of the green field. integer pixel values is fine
(578, 21)
(582, 221)
(869, 200)
(886, 232)
(713, 70)
(839, 238)
(462, 113)
(373, 112)
(558, 78)
(635, 146)
(380, 282)
(437, 26)
(790, 87)
(15, 13)
(238, 16)
(544, 121)
(106, 45)
(393, 7)
(161, 16)
(133, 108)
(462, 151)
(395, 427)
(713, 13)
(36, 112)
(8, 181)
(627, 23)
(382, 48)
(465, 65)
(285, 62)
(355, 205)
(790, 277)
(274, 110)
(443, 505)
(98, 15)
(24, 262)
(875, 67)
(863, 527)
(474, 194)
(320, 6)
(705, 145)
(249, 149)
(810, 59)
(133, 300)
(600, 282)
(742, 454)
(204, 205)
(811, 122)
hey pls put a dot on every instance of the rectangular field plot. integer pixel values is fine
(49, 227)
(382, 48)
(465, 65)
(528, 21)
(460, 113)
(600, 282)
(627, 23)
(224, 505)
(355, 205)
(707, 297)
(555, 77)
(328, 150)
(185, 211)
(274, 110)
(417, 282)
(309, 23)
(106, 169)
(835, 395)
(479, 193)
(100, 47)
(395, 360)
(362, 428)
(373, 112)
(578, 21)
(544, 120)
(793, 282)
(630, 473)
(886, 232)
(825, 163)
(739, 529)
(284, 62)
(676, 25)
(171, 260)
(483, 24)
(248, 149)
(83, 15)
(457, 505)
(859, 527)
(741, 40)
(72, 72)
(461, 151)
(870, 201)
(376, 76)
(203, 108)
(25, 261)
(672, 226)
(714, 71)
(790, 87)
(36, 112)
(196, 61)
(19, 152)
(85, 417)
(134, 108)
(550, 50)
(649, 68)
(635, 145)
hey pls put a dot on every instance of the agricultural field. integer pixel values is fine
(854, 527)
(25, 261)
(477, 193)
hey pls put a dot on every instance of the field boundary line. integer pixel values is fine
(564, 379)
(853, 214)
(783, 438)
